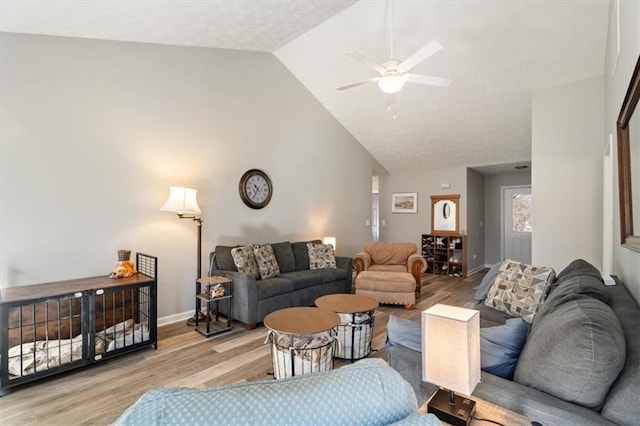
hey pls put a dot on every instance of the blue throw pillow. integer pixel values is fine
(486, 283)
(500, 347)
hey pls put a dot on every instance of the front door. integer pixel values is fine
(517, 225)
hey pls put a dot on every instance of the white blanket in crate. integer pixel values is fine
(44, 354)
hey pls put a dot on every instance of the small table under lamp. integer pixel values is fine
(451, 359)
(183, 202)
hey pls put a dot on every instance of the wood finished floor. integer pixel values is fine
(98, 395)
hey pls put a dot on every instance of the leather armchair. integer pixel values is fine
(390, 257)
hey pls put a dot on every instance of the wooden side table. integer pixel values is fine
(208, 326)
(490, 412)
(354, 336)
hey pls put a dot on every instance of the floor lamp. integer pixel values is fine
(183, 202)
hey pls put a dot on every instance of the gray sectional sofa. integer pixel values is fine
(296, 285)
(580, 364)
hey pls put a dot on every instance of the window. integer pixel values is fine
(521, 205)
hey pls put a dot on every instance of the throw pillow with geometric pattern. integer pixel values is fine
(266, 260)
(520, 289)
(245, 261)
(321, 256)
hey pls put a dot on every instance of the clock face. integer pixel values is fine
(255, 189)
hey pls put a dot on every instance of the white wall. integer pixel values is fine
(94, 132)
(566, 153)
(492, 211)
(409, 227)
(475, 220)
(626, 263)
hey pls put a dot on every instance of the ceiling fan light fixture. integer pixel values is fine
(391, 83)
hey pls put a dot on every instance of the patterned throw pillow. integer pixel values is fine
(520, 289)
(321, 256)
(245, 261)
(266, 259)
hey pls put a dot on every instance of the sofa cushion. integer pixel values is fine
(273, 287)
(301, 254)
(621, 405)
(575, 284)
(390, 253)
(500, 347)
(245, 261)
(284, 256)
(224, 260)
(574, 352)
(388, 268)
(303, 279)
(578, 267)
(520, 289)
(266, 260)
(331, 275)
(321, 256)
(486, 283)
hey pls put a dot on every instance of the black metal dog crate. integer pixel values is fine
(54, 327)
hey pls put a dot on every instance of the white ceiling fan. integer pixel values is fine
(393, 73)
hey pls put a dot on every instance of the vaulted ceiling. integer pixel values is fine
(495, 52)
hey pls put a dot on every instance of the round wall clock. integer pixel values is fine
(255, 188)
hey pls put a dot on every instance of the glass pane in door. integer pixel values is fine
(521, 213)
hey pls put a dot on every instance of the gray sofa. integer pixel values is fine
(580, 364)
(296, 285)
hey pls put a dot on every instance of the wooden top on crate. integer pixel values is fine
(60, 288)
(302, 320)
(347, 303)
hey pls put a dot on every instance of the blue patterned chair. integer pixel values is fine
(368, 392)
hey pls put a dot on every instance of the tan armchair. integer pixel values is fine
(391, 257)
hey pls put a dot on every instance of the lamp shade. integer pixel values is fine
(330, 240)
(182, 200)
(451, 347)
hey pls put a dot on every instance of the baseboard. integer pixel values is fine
(476, 270)
(170, 319)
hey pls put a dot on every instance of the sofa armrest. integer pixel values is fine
(416, 265)
(362, 261)
(346, 263)
(244, 300)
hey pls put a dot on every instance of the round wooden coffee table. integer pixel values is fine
(302, 320)
(302, 340)
(356, 327)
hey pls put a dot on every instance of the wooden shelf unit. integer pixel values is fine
(445, 254)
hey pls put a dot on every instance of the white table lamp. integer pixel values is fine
(330, 240)
(451, 359)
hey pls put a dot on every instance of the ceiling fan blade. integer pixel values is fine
(428, 79)
(429, 49)
(359, 83)
(363, 59)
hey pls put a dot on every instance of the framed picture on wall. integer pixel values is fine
(404, 202)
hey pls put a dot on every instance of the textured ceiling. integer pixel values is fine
(496, 53)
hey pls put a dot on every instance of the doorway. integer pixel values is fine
(375, 209)
(517, 225)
